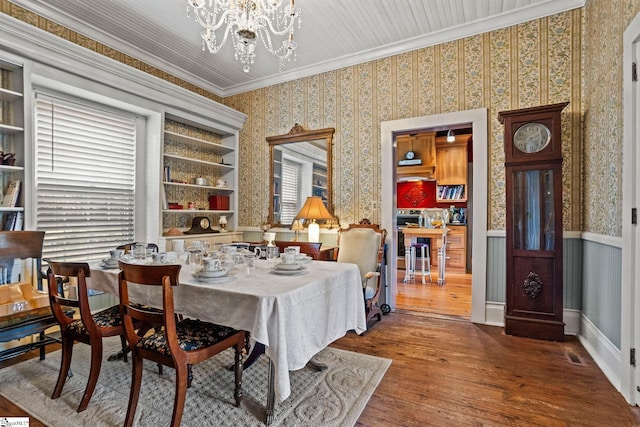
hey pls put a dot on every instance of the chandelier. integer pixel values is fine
(247, 21)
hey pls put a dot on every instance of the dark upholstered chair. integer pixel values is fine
(175, 343)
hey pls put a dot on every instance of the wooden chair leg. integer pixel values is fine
(136, 380)
(65, 364)
(182, 375)
(189, 376)
(238, 373)
(94, 373)
(125, 347)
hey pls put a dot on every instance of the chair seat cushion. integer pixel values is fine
(104, 319)
(192, 335)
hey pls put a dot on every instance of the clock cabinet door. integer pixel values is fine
(534, 252)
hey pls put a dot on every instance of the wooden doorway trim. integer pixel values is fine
(478, 119)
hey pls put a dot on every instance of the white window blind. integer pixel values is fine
(84, 179)
(290, 190)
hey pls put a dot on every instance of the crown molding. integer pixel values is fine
(40, 47)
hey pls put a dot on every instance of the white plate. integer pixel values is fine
(215, 280)
(288, 267)
(211, 273)
(289, 272)
(109, 266)
(303, 257)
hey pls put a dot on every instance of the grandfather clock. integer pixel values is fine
(533, 168)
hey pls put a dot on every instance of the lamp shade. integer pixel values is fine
(313, 209)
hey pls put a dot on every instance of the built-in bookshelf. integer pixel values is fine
(11, 145)
(198, 174)
(319, 181)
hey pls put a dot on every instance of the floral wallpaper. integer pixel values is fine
(535, 63)
(574, 56)
(603, 115)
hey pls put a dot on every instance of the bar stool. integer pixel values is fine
(410, 262)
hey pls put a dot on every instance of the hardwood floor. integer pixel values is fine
(448, 372)
(456, 373)
(451, 300)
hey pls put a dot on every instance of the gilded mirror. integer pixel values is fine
(300, 166)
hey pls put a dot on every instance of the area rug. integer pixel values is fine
(334, 397)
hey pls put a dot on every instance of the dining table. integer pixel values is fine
(294, 316)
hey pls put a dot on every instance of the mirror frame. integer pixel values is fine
(300, 134)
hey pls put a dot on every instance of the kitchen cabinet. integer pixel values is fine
(416, 154)
(451, 170)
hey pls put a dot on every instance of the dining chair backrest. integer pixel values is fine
(60, 273)
(22, 245)
(360, 245)
(164, 275)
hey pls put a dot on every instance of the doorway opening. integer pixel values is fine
(478, 198)
(434, 210)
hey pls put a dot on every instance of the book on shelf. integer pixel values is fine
(10, 198)
(13, 221)
(450, 192)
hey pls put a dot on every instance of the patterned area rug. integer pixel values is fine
(334, 397)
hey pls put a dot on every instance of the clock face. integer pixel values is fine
(410, 155)
(204, 222)
(532, 137)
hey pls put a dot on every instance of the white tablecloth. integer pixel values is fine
(293, 316)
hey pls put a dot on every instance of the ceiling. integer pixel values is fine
(333, 33)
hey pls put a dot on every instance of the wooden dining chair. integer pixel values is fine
(176, 343)
(89, 329)
(363, 244)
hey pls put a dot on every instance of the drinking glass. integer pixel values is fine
(139, 252)
(250, 260)
(272, 254)
(195, 258)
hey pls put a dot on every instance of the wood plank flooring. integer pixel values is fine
(451, 300)
(456, 373)
(448, 372)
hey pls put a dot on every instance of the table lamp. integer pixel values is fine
(296, 227)
(312, 210)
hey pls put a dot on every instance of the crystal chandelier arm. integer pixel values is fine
(211, 42)
(288, 45)
(208, 20)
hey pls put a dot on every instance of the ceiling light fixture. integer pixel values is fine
(246, 21)
(450, 136)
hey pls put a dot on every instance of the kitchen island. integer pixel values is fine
(456, 245)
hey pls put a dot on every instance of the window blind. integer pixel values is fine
(84, 179)
(290, 189)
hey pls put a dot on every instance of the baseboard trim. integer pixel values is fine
(494, 316)
(602, 351)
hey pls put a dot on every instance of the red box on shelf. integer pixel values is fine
(219, 203)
